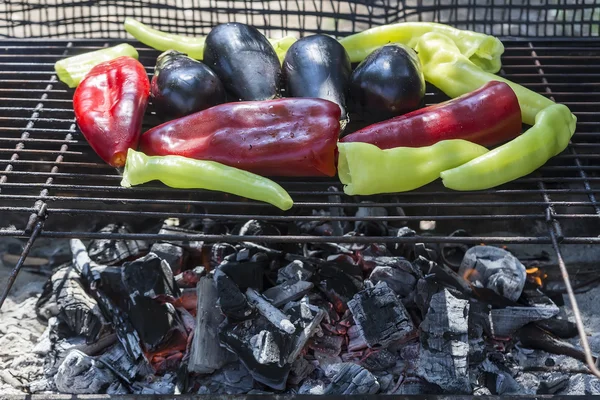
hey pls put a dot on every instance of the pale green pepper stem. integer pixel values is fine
(483, 50)
(365, 169)
(550, 135)
(192, 46)
(186, 173)
(72, 70)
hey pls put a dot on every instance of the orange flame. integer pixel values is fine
(471, 275)
(536, 275)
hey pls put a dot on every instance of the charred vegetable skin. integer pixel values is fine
(388, 83)
(318, 66)
(109, 106)
(182, 86)
(283, 137)
(487, 116)
(244, 60)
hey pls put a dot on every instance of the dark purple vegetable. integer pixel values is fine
(244, 60)
(318, 66)
(388, 83)
(183, 86)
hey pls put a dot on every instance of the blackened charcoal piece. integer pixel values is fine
(443, 358)
(182, 239)
(337, 285)
(286, 292)
(380, 316)
(155, 323)
(232, 301)
(232, 379)
(256, 227)
(452, 254)
(397, 272)
(212, 227)
(164, 385)
(406, 250)
(444, 275)
(505, 321)
(206, 354)
(219, 251)
(376, 227)
(175, 256)
(245, 274)
(109, 279)
(149, 276)
(190, 278)
(561, 328)
(262, 348)
(338, 227)
(380, 360)
(114, 251)
(81, 374)
(553, 384)
(429, 251)
(352, 379)
(294, 271)
(479, 319)
(328, 344)
(494, 268)
(306, 318)
(356, 339)
(119, 362)
(414, 385)
(498, 381)
(300, 370)
(424, 291)
(270, 312)
(534, 337)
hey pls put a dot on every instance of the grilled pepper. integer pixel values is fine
(487, 116)
(192, 46)
(184, 173)
(365, 169)
(283, 137)
(109, 106)
(454, 74)
(481, 49)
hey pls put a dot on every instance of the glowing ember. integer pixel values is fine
(536, 275)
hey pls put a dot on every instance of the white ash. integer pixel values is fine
(81, 374)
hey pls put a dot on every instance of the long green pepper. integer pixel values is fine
(186, 173)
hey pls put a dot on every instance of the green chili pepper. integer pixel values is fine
(481, 49)
(366, 169)
(72, 70)
(521, 156)
(185, 173)
(192, 46)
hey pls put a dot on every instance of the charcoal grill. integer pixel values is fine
(53, 185)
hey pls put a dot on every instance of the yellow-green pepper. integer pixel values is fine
(365, 169)
(481, 49)
(186, 173)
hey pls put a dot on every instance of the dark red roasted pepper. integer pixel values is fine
(283, 137)
(487, 116)
(109, 106)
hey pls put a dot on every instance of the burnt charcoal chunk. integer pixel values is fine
(81, 374)
(114, 251)
(154, 322)
(327, 344)
(286, 292)
(255, 227)
(443, 357)
(338, 285)
(219, 251)
(175, 256)
(380, 316)
(505, 321)
(245, 274)
(306, 318)
(190, 278)
(110, 280)
(397, 272)
(193, 247)
(352, 379)
(119, 362)
(414, 385)
(294, 271)
(380, 360)
(149, 276)
(496, 269)
(300, 370)
(232, 301)
(371, 227)
(562, 328)
(232, 379)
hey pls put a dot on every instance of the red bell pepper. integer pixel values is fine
(282, 137)
(487, 116)
(109, 105)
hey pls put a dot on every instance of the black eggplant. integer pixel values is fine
(244, 60)
(388, 83)
(182, 86)
(318, 66)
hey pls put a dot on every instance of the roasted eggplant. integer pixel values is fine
(388, 83)
(318, 66)
(244, 60)
(182, 86)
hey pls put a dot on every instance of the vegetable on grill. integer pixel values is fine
(388, 83)
(244, 60)
(318, 66)
(455, 74)
(487, 116)
(72, 70)
(182, 86)
(365, 169)
(282, 137)
(109, 106)
(184, 173)
(483, 50)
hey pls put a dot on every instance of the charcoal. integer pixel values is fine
(232, 379)
(270, 312)
(286, 292)
(337, 226)
(294, 271)
(149, 276)
(452, 254)
(373, 227)
(479, 319)
(190, 278)
(496, 269)
(338, 285)
(424, 291)
(352, 379)
(356, 339)
(193, 247)
(386, 381)
(405, 250)
(429, 251)
(326, 360)
(300, 370)
(306, 318)
(163, 385)
(553, 385)
(245, 274)
(561, 328)
(379, 360)
(155, 323)
(232, 301)
(397, 272)
(312, 387)
(114, 251)
(444, 275)
(380, 316)
(499, 381)
(109, 278)
(444, 343)
(206, 354)
(174, 255)
(119, 362)
(328, 344)
(81, 374)
(505, 321)
(256, 227)
(533, 337)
